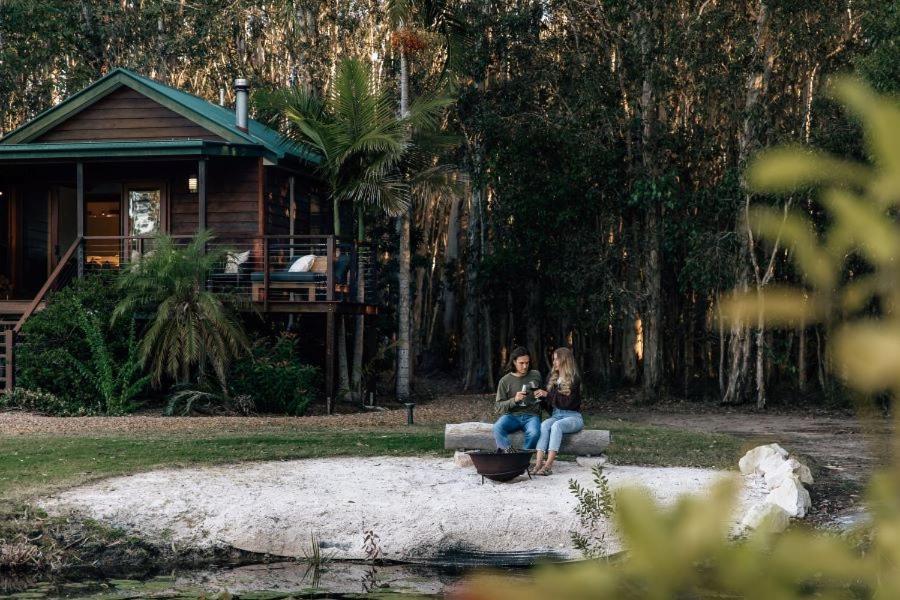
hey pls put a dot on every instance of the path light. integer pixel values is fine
(192, 184)
(409, 412)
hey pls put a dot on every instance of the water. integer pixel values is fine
(336, 579)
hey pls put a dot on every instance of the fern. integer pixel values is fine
(116, 384)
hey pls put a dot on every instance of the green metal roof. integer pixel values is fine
(215, 118)
(132, 149)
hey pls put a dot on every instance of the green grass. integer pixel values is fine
(31, 465)
(634, 444)
(35, 464)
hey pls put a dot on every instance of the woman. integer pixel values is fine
(516, 404)
(563, 398)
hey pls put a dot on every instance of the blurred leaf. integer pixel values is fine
(867, 354)
(796, 231)
(791, 168)
(857, 294)
(865, 225)
(780, 307)
(880, 116)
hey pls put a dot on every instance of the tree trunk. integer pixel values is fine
(739, 346)
(451, 255)
(403, 275)
(356, 385)
(470, 311)
(343, 371)
(801, 361)
(651, 313)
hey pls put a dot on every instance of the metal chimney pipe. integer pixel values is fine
(241, 88)
(221, 96)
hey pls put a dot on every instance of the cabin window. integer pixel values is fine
(144, 212)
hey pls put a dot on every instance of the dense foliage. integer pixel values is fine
(53, 340)
(274, 379)
(685, 552)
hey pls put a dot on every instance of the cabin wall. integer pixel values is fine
(233, 197)
(126, 115)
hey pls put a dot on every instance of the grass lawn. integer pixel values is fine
(34, 464)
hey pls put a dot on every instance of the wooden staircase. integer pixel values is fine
(11, 312)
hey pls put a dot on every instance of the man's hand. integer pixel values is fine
(520, 396)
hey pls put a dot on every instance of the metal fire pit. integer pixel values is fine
(501, 466)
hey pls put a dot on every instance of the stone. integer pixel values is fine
(787, 468)
(791, 496)
(771, 516)
(480, 436)
(589, 462)
(462, 460)
(750, 462)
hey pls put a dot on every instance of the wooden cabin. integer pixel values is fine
(87, 184)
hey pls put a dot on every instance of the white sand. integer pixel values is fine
(419, 507)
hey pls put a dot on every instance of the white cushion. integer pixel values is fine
(303, 264)
(234, 260)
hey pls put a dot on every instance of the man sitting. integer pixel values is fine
(515, 402)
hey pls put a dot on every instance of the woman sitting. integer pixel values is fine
(563, 398)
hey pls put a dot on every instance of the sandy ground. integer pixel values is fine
(421, 508)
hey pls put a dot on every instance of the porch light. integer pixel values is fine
(192, 184)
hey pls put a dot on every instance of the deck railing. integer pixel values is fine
(258, 270)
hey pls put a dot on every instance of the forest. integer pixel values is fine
(596, 151)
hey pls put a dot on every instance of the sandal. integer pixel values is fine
(544, 471)
(534, 469)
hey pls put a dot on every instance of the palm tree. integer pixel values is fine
(363, 144)
(191, 330)
(436, 16)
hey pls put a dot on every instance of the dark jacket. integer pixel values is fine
(556, 399)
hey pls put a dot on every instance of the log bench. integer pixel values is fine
(480, 436)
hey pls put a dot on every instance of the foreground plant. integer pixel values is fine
(685, 552)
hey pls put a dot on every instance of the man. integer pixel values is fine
(516, 404)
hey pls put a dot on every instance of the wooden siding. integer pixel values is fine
(232, 197)
(126, 115)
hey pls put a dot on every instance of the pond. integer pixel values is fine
(335, 579)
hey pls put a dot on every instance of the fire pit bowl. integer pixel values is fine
(501, 466)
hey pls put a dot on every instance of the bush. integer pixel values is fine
(39, 401)
(274, 378)
(51, 338)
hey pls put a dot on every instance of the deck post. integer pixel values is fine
(9, 346)
(201, 195)
(79, 210)
(329, 356)
(329, 273)
(265, 274)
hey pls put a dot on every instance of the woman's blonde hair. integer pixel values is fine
(566, 376)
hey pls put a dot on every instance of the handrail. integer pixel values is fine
(47, 284)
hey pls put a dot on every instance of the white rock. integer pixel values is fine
(788, 468)
(774, 518)
(462, 459)
(589, 462)
(750, 462)
(791, 496)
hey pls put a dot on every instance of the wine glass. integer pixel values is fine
(534, 388)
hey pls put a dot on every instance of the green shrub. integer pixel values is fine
(274, 378)
(51, 338)
(116, 382)
(39, 401)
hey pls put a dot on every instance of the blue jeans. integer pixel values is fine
(552, 429)
(508, 423)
